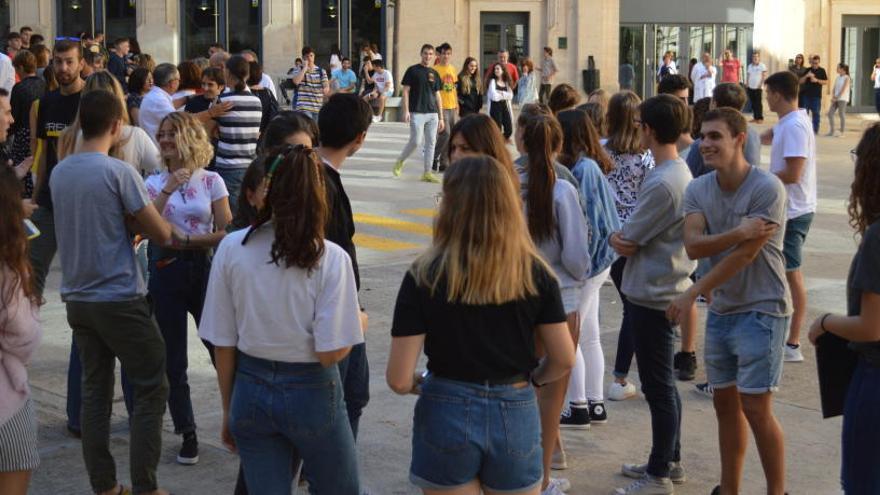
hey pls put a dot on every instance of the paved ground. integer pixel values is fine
(394, 223)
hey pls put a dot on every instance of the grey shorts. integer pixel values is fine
(18, 441)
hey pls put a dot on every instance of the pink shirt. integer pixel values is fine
(20, 333)
(730, 70)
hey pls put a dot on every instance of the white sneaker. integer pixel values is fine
(621, 392)
(376, 119)
(649, 485)
(559, 461)
(557, 486)
(552, 490)
(793, 354)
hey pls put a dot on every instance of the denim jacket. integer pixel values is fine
(597, 202)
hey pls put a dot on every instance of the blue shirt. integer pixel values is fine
(345, 78)
(597, 202)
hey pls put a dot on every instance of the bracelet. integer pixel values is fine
(822, 322)
(167, 193)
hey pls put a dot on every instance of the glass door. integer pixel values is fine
(322, 22)
(244, 28)
(199, 21)
(859, 48)
(75, 17)
(119, 19)
(631, 71)
(503, 30)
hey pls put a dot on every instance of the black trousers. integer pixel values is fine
(500, 113)
(756, 98)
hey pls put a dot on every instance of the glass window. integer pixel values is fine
(666, 39)
(631, 72)
(322, 27)
(245, 27)
(4, 18)
(738, 39)
(366, 21)
(198, 19)
(119, 19)
(702, 40)
(75, 17)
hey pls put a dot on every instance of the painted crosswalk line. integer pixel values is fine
(383, 243)
(393, 224)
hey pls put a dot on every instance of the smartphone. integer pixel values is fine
(30, 229)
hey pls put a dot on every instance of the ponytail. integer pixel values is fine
(542, 138)
(239, 68)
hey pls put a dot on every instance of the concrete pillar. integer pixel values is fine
(597, 33)
(282, 35)
(158, 29)
(38, 14)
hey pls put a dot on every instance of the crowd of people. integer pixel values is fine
(174, 190)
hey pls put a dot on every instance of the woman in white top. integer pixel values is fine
(281, 310)
(839, 98)
(703, 76)
(196, 204)
(499, 93)
(134, 146)
(527, 86)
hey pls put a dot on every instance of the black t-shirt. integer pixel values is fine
(424, 83)
(55, 113)
(813, 89)
(340, 222)
(864, 275)
(198, 104)
(475, 343)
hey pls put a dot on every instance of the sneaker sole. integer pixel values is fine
(188, 461)
(637, 476)
(598, 421)
(621, 399)
(559, 467)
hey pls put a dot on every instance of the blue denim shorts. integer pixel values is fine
(796, 230)
(466, 431)
(745, 349)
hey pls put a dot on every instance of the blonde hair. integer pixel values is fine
(482, 251)
(103, 81)
(191, 139)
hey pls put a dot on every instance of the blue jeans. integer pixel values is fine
(745, 349)
(232, 177)
(813, 104)
(860, 456)
(877, 99)
(277, 408)
(466, 431)
(354, 372)
(176, 288)
(655, 347)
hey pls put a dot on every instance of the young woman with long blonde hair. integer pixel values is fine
(478, 300)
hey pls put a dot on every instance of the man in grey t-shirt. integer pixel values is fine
(657, 270)
(727, 95)
(733, 217)
(95, 197)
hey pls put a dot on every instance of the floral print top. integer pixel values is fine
(626, 179)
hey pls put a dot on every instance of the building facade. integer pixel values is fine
(625, 39)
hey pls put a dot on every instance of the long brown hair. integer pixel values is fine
(14, 248)
(563, 97)
(864, 197)
(505, 76)
(481, 248)
(580, 138)
(470, 81)
(542, 140)
(296, 204)
(624, 136)
(483, 136)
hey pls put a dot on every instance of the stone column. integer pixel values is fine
(597, 34)
(158, 29)
(38, 14)
(282, 34)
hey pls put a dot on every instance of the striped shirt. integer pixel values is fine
(310, 92)
(239, 130)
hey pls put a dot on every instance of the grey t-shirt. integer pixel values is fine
(92, 193)
(752, 152)
(659, 272)
(760, 286)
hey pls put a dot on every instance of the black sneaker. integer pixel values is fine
(686, 365)
(716, 490)
(598, 414)
(575, 418)
(189, 451)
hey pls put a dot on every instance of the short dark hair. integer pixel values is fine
(378, 63)
(120, 40)
(729, 95)
(25, 28)
(216, 45)
(215, 74)
(785, 83)
(307, 50)
(548, 50)
(427, 46)
(735, 121)
(13, 35)
(444, 47)
(37, 38)
(255, 74)
(26, 60)
(342, 119)
(238, 67)
(98, 111)
(672, 83)
(65, 46)
(667, 116)
(137, 80)
(345, 59)
(284, 125)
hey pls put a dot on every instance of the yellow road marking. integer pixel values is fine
(382, 243)
(421, 212)
(394, 224)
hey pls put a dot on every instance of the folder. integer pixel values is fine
(835, 363)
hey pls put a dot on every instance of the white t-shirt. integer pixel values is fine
(838, 88)
(157, 103)
(876, 78)
(189, 207)
(138, 151)
(704, 81)
(384, 82)
(272, 312)
(755, 74)
(793, 137)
